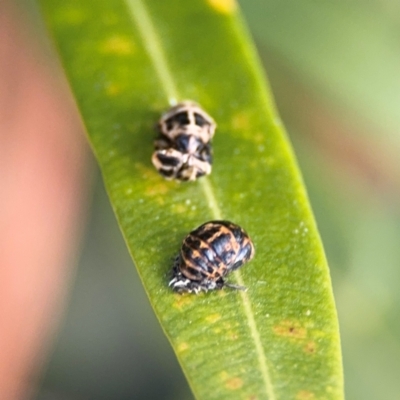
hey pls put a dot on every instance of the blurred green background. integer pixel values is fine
(334, 70)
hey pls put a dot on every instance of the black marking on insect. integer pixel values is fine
(208, 254)
(187, 117)
(184, 140)
(174, 164)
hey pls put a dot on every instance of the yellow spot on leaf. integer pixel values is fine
(224, 375)
(179, 208)
(259, 137)
(269, 161)
(112, 89)
(182, 347)
(227, 326)
(158, 189)
(182, 300)
(223, 6)
(232, 335)
(305, 395)
(291, 329)
(254, 164)
(329, 389)
(241, 121)
(117, 45)
(213, 318)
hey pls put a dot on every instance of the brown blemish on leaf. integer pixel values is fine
(234, 383)
(305, 395)
(291, 329)
(310, 347)
(252, 397)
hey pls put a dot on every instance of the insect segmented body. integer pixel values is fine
(183, 149)
(173, 164)
(208, 254)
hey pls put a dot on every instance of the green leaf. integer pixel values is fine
(126, 61)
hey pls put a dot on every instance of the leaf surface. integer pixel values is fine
(126, 62)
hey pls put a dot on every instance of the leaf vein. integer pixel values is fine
(153, 47)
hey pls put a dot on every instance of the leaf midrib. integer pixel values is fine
(152, 44)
